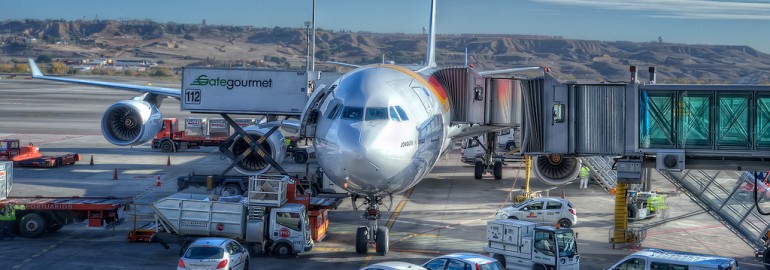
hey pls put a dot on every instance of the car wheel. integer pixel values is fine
(565, 223)
(510, 146)
(513, 217)
(478, 169)
(32, 225)
(362, 240)
(283, 250)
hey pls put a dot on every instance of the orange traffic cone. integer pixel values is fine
(168, 161)
(157, 181)
(92, 161)
(115, 174)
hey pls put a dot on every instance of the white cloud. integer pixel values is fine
(682, 9)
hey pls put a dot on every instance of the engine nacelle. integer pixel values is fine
(275, 146)
(556, 169)
(131, 122)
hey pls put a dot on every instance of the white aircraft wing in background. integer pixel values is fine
(170, 92)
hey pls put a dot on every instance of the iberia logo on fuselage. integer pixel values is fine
(432, 84)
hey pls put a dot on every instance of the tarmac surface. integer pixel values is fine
(445, 213)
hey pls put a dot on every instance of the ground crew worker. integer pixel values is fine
(7, 217)
(584, 175)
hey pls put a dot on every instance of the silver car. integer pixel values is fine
(393, 265)
(545, 211)
(463, 261)
(215, 253)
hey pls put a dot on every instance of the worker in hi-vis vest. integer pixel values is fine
(584, 175)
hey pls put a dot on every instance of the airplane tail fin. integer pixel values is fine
(35, 70)
(431, 54)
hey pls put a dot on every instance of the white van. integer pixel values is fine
(658, 259)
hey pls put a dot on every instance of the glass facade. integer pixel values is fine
(720, 120)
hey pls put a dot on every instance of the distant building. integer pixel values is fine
(133, 63)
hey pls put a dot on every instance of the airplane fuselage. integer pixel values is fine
(382, 129)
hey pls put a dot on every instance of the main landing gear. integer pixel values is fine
(366, 235)
(490, 162)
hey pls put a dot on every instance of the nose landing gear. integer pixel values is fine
(366, 235)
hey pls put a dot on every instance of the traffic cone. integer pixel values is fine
(92, 161)
(115, 174)
(562, 193)
(168, 161)
(157, 181)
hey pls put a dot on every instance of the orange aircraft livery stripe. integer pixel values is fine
(432, 84)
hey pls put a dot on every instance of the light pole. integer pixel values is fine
(307, 48)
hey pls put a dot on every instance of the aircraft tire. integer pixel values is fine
(362, 239)
(382, 241)
(478, 169)
(498, 169)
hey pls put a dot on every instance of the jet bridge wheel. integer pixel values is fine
(362, 240)
(478, 169)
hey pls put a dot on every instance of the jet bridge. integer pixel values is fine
(681, 130)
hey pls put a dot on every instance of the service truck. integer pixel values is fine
(37, 215)
(198, 132)
(521, 244)
(273, 217)
(30, 156)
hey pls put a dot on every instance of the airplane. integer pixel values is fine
(380, 129)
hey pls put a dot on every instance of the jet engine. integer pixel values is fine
(275, 147)
(131, 122)
(556, 169)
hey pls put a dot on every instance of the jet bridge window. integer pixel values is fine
(353, 113)
(376, 113)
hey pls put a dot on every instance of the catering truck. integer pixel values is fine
(525, 245)
(266, 220)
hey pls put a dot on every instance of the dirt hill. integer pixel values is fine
(176, 45)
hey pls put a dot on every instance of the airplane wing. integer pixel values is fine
(504, 71)
(170, 92)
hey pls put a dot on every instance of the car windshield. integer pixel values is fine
(204, 253)
(519, 205)
(566, 243)
(493, 265)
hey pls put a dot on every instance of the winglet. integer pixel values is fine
(35, 70)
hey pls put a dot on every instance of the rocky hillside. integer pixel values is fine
(174, 44)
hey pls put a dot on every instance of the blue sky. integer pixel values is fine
(723, 22)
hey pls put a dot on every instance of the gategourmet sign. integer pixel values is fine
(245, 91)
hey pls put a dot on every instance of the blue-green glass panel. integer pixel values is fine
(733, 122)
(694, 120)
(656, 121)
(763, 122)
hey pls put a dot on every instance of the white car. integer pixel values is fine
(394, 266)
(215, 253)
(544, 211)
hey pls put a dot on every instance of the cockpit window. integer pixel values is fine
(332, 111)
(401, 113)
(394, 114)
(353, 113)
(376, 113)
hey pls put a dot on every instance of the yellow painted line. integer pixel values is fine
(391, 221)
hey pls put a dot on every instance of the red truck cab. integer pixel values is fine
(30, 156)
